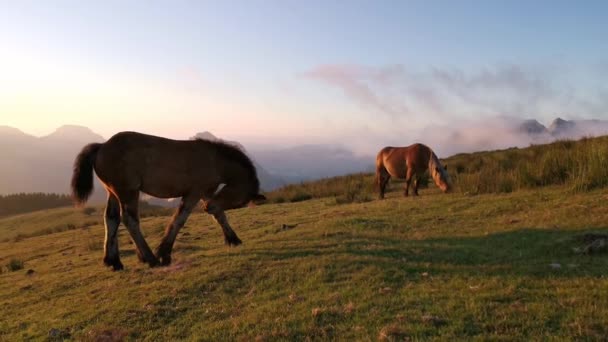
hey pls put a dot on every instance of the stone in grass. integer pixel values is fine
(58, 334)
(434, 320)
(107, 335)
(593, 243)
(393, 332)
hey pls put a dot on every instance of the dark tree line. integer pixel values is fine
(23, 203)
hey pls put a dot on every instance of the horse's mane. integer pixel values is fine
(434, 160)
(234, 153)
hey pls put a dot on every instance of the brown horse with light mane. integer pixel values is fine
(219, 174)
(410, 163)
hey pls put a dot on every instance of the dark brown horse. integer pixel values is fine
(409, 162)
(218, 173)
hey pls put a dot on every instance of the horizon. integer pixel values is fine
(466, 137)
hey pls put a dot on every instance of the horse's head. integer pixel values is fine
(241, 185)
(441, 177)
(236, 195)
(257, 199)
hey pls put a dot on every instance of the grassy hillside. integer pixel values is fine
(23, 203)
(579, 165)
(41, 222)
(18, 227)
(487, 267)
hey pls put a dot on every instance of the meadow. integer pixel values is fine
(470, 265)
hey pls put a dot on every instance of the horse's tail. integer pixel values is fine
(380, 169)
(82, 178)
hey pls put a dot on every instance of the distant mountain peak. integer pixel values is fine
(206, 135)
(74, 133)
(70, 129)
(11, 131)
(559, 126)
(533, 127)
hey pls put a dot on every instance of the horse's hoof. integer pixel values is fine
(153, 262)
(163, 254)
(114, 263)
(234, 241)
(118, 266)
(107, 261)
(165, 260)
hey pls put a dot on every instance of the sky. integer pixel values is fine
(290, 72)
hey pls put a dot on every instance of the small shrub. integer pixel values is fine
(300, 196)
(459, 168)
(355, 191)
(14, 265)
(554, 167)
(505, 184)
(591, 171)
(525, 177)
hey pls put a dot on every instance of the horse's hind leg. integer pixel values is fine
(112, 221)
(163, 252)
(230, 237)
(130, 219)
(384, 182)
(408, 180)
(416, 186)
(383, 178)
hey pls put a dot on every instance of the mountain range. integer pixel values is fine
(566, 129)
(41, 164)
(44, 164)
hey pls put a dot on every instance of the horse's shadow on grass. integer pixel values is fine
(525, 252)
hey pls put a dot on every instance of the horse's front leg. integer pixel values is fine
(163, 252)
(230, 237)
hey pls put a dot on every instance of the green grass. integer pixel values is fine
(444, 267)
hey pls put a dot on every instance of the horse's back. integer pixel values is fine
(418, 156)
(158, 166)
(396, 160)
(139, 150)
